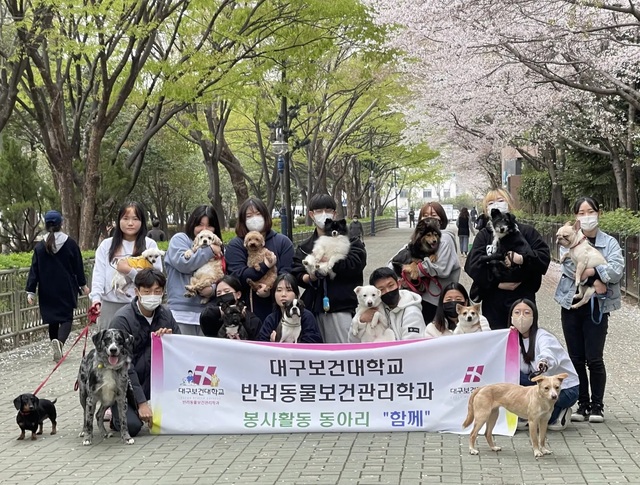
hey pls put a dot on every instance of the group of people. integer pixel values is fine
(428, 310)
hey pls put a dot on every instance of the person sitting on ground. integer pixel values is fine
(402, 308)
(542, 353)
(446, 319)
(141, 318)
(228, 290)
(156, 233)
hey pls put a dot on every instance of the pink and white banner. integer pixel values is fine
(218, 386)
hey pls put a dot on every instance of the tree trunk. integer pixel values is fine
(619, 176)
(90, 190)
(632, 199)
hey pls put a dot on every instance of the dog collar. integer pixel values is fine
(22, 413)
(584, 238)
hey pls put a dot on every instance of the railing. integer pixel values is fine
(21, 324)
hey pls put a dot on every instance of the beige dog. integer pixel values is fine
(534, 403)
(209, 273)
(469, 319)
(583, 255)
(257, 253)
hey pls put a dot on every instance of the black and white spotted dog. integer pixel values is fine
(103, 377)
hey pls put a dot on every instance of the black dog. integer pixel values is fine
(32, 412)
(103, 377)
(233, 321)
(424, 243)
(507, 238)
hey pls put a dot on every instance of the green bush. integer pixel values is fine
(23, 260)
(624, 222)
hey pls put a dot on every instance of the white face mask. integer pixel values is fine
(588, 223)
(320, 219)
(522, 323)
(502, 206)
(150, 302)
(255, 223)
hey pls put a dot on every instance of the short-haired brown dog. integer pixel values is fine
(534, 403)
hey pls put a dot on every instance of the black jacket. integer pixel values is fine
(129, 319)
(339, 290)
(463, 228)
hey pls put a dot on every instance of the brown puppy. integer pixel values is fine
(532, 402)
(257, 253)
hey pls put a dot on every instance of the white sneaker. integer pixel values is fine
(562, 422)
(56, 347)
(107, 415)
(522, 424)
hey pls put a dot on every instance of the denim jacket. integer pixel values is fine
(610, 274)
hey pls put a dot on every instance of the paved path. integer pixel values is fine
(583, 454)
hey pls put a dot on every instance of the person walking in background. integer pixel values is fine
(412, 218)
(355, 228)
(129, 239)
(585, 328)
(186, 311)
(253, 215)
(156, 233)
(57, 274)
(464, 225)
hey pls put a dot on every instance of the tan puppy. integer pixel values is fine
(534, 403)
(583, 255)
(256, 254)
(210, 272)
(468, 319)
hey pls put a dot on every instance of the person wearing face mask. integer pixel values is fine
(585, 328)
(229, 291)
(498, 293)
(542, 353)
(402, 307)
(332, 301)
(253, 215)
(141, 318)
(446, 319)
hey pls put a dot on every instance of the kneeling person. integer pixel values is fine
(403, 308)
(142, 317)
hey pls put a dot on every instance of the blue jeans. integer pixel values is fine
(568, 397)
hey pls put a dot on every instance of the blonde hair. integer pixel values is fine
(496, 194)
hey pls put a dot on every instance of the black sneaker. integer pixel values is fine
(597, 414)
(581, 414)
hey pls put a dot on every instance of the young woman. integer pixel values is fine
(585, 328)
(285, 291)
(498, 292)
(542, 353)
(57, 274)
(228, 290)
(129, 239)
(254, 216)
(463, 230)
(442, 272)
(186, 311)
(446, 319)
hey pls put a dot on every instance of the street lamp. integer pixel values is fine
(372, 182)
(280, 148)
(395, 185)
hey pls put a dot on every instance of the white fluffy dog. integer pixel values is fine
(210, 272)
(328, 249)
(378, 329)
(147, 259)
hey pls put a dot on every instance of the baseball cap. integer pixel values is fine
(53, 217)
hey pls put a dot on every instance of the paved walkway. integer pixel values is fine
(583, 454)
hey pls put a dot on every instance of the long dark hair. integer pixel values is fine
(464, 213)
(51, 227)
(440, 320)
(140, 243)
(257, 204)
(530, 355)
(197, 215)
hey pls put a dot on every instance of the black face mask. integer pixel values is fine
(228, 298)
(450, 309)
(391, 298)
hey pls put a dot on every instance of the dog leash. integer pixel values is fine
(601, 299)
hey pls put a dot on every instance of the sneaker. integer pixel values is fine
(107, 415)
(597, 414)
(56, 347)
(581, 414)
(562, 422)
(522, 424)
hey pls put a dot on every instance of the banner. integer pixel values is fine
(219, 386)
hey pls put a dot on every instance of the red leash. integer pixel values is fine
(93, 314)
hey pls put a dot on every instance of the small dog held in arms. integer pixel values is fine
(290, 326)
(583, 255)
(378, 329)
(147, 259)
(507, 239)
(424, 244)
(233, 322)
(209, 273)
(103, 377)
(534, 403)
(257, 253)
(328, 249)
(469, 320)
(32, 412)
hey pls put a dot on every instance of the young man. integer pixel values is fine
(335, 321)
(355, 228)
(156, 233)
(142, 317)
(403, 308)
(412, 218)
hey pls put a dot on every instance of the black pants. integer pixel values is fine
(60, 331)
(133, 420)
(585, 344)
(428, 312)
